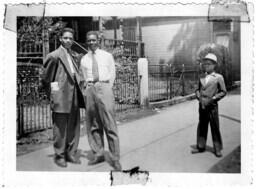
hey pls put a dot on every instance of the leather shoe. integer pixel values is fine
(61, 162)
(117, 166)
(96, 160)
(73, 159)
(196, 151)
(218, 154)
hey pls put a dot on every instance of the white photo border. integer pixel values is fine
(20, 179)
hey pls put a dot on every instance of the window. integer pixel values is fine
(221, 26)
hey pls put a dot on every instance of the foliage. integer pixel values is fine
(224, 61)
(126, 86)
(28, 89)
(32, 28)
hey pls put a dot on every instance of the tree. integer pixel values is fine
(31, 28)
(224, 61)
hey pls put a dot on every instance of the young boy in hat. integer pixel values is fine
(211, 89)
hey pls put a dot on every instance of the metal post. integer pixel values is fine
(138, 35)
(167, 82)
(101, 31)
(121, 28)
(171, 84)
(182, 80)
(115, 28)
(45, 37)
(20, 110)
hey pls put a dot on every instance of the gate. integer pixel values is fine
(166, 82)
(33, 110)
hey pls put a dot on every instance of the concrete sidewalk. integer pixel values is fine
(159, 143)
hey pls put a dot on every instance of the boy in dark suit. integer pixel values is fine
(211, 89)
(63, 81)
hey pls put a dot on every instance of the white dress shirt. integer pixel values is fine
(69, 60)
(106, 66)
(208, 77)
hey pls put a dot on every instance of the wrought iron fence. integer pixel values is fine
(129, 48)
(166, 82)
(33, 107)
(126, 88)
(30, 51)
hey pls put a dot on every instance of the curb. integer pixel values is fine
(181, 99)
(172, 101)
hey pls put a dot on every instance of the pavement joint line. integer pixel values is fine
(152, 142)
(230, 118)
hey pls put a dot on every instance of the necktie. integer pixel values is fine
(75, 68)
(95, 71)
(73, 63)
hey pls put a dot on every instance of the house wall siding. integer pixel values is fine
(175, 42)
(109, 34)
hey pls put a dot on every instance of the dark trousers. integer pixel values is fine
(66, 130)
(100, 117)
(206, 115)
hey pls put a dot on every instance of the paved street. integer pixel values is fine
(159, 143)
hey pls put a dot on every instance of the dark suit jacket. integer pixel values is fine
(56, 69)
(211, 92)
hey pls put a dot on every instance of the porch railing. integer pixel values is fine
(30, 51)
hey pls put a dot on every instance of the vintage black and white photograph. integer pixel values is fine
(100, 93)
(178, 55)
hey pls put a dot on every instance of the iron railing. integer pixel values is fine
(30, 51)
(166, 82)
(33, 108)
(130, 48)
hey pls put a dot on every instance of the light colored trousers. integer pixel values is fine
(100, 118)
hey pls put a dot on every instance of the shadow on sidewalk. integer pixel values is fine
(88, 154)
(80, 154)
(229, 164)
(207, 148)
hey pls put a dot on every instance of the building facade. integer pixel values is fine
(176, 40)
